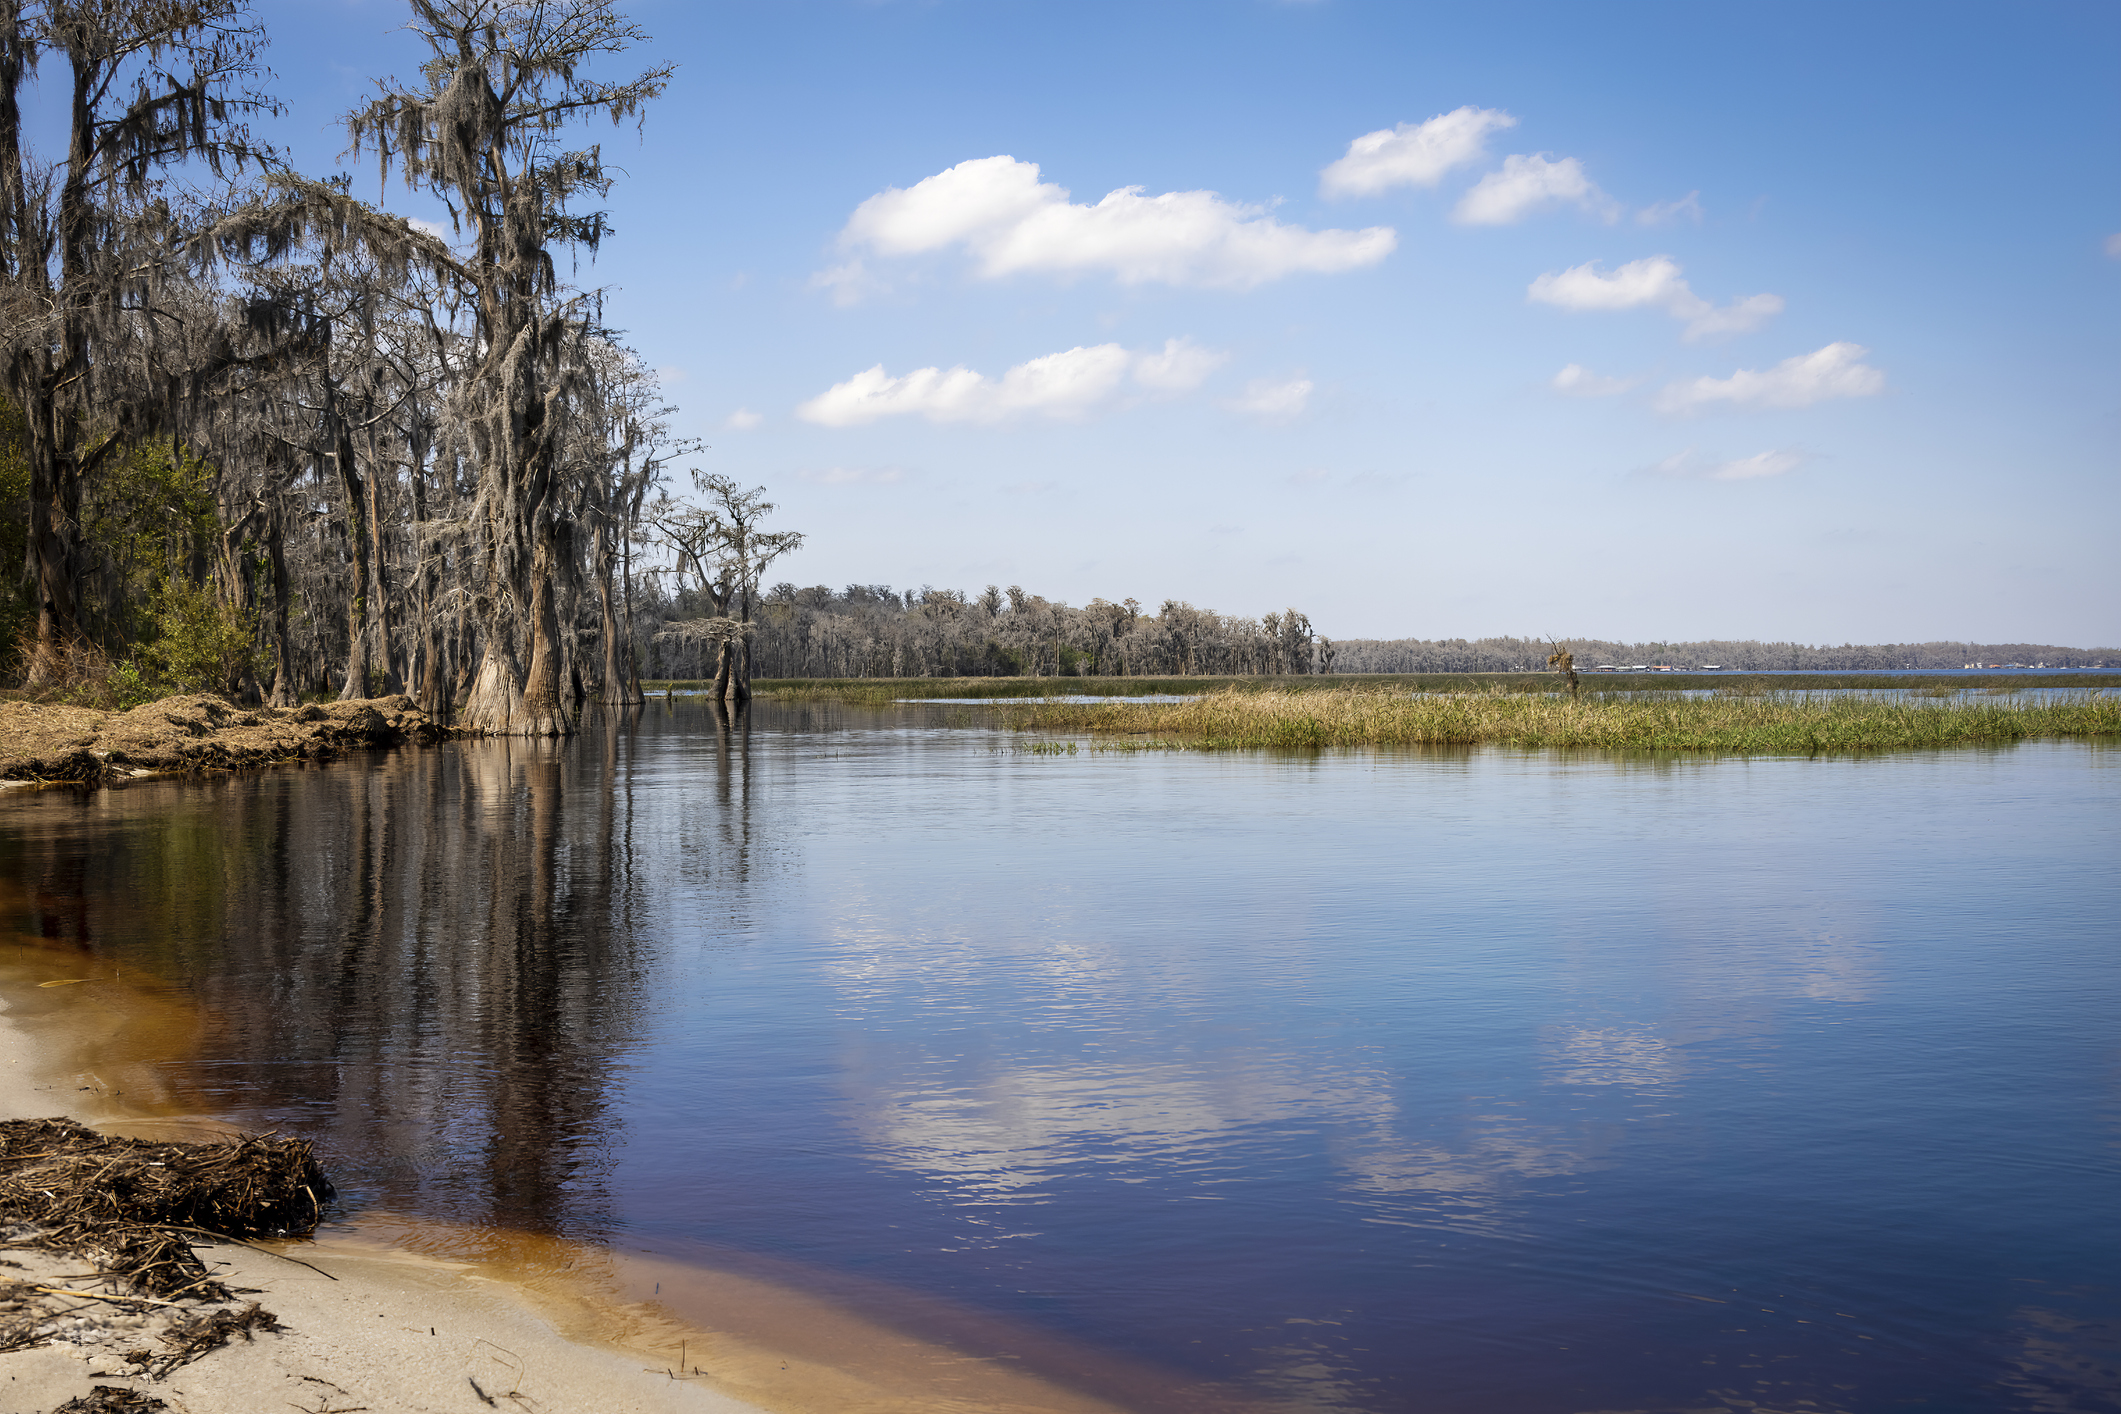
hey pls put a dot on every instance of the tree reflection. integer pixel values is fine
(434, 963)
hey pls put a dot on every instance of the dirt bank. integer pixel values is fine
(41, 743)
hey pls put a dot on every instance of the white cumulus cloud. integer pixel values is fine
(1412, 155)
(742, 420)
(1526, 184)
(1579, 382)
(1654, 282)
(1274, 399)
(1686, 465)
(1836, 371)
(998, 211)
(1064, 385)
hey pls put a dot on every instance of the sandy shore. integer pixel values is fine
(525, 1323)
(375, 1328)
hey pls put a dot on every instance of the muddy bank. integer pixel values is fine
(48, 744)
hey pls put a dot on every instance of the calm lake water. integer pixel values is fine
(1440, 1081)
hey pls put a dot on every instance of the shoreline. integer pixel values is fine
(44, 744)
(386, 1328)
(563, 1325)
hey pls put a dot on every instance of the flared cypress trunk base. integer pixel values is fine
(499, 706)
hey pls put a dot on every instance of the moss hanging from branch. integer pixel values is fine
(481, 132)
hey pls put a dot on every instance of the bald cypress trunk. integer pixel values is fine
(382, 656)
(544, 711)
(724, 664)
(622, 679)
(283, 692)
(354, 681)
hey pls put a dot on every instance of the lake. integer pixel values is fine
(1449, 1080)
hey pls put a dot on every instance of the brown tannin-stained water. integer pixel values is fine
(1363, 1081)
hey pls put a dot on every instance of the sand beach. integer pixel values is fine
(361, 1326)
(369, 1317)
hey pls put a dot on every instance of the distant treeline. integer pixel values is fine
(876, 631)
(1490, 655)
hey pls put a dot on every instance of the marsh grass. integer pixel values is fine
(1774, 723)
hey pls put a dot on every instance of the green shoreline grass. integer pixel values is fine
(1786, 723)
(1740, 713)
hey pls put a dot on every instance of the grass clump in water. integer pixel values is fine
(1771, 724)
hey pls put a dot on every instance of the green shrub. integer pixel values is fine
(200, 644)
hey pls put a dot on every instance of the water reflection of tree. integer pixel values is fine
(436, 964)
(437, 983)
(414, 960)
(716, 845)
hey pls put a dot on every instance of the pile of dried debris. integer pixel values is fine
(130, 1207)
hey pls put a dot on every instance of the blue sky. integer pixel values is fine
(1834, 282)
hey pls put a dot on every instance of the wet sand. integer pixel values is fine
(384, 1329)
(408, 1315)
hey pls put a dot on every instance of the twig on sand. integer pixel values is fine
(100, 1296)
(239, 1242)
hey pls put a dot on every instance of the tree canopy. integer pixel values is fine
(418, 464)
